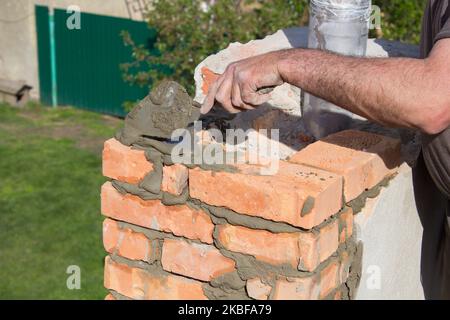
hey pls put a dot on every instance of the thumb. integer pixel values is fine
(211, 97)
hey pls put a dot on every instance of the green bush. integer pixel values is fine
(400, 19)
(187, 33)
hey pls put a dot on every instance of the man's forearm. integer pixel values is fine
(394, 91)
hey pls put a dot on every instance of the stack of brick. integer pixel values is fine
(235, 234)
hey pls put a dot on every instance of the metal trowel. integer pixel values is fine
(168, 107)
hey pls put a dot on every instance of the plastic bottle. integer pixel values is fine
(339, 26)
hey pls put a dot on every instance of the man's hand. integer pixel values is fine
(413, 93)
(237, 88)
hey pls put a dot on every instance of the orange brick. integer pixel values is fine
(111, 235)
(297, 288)
(363, 159)
(181, 220)
(209, 78)
(329, 278)
(109, 296)
(304, 251)
(266, 246)
(258, 290)
(169, 287)
(135, 246)
(124, 163)
(126, 242)
(137, 283)
(344, 267)
(317, 247)
(281, 197)
(118, 277)
(174, 179)
(198, 261)
(317, 286)
(346, 225)
(328, 240)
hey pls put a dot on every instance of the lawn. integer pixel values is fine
(50, 177)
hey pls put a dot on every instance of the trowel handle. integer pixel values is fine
(214, 76)
(196, 104)
(265, 90)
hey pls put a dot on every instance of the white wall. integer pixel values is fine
(391, 232)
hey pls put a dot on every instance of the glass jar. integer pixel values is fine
(340, 26)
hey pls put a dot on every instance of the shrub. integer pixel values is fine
(400, 19)
(188, 33)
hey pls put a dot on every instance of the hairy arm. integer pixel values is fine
(402, 92)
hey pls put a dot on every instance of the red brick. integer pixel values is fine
(258, 290)
(297, 288)
(118, 277)
(109, 296)
(174, 179)
(209, 78)
(137, 283)
(198, 261)
(304, 251)
(111, 235)
(266, 246)
(316, 286)
(127, 243)
(317, 247)
(280, 197)
(344, 267)
(181, 220)
(338, 295)
(346, 225)
(135, 246)
(329, 278)
(124, 163)
(363, 159)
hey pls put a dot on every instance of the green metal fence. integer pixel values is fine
(43, 35)
(87, 62)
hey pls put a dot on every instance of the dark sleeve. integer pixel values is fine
(445, 21)
(436, 149)
(436, 153)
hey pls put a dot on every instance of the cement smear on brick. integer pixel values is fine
(235, 218)
(358, 204)
(308, 205)
(354, 276)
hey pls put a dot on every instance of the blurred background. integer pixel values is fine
(69, 72)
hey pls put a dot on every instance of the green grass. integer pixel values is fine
(49, 201)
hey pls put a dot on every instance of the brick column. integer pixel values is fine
(236, 234)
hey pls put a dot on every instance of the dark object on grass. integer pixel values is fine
(15, 93)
